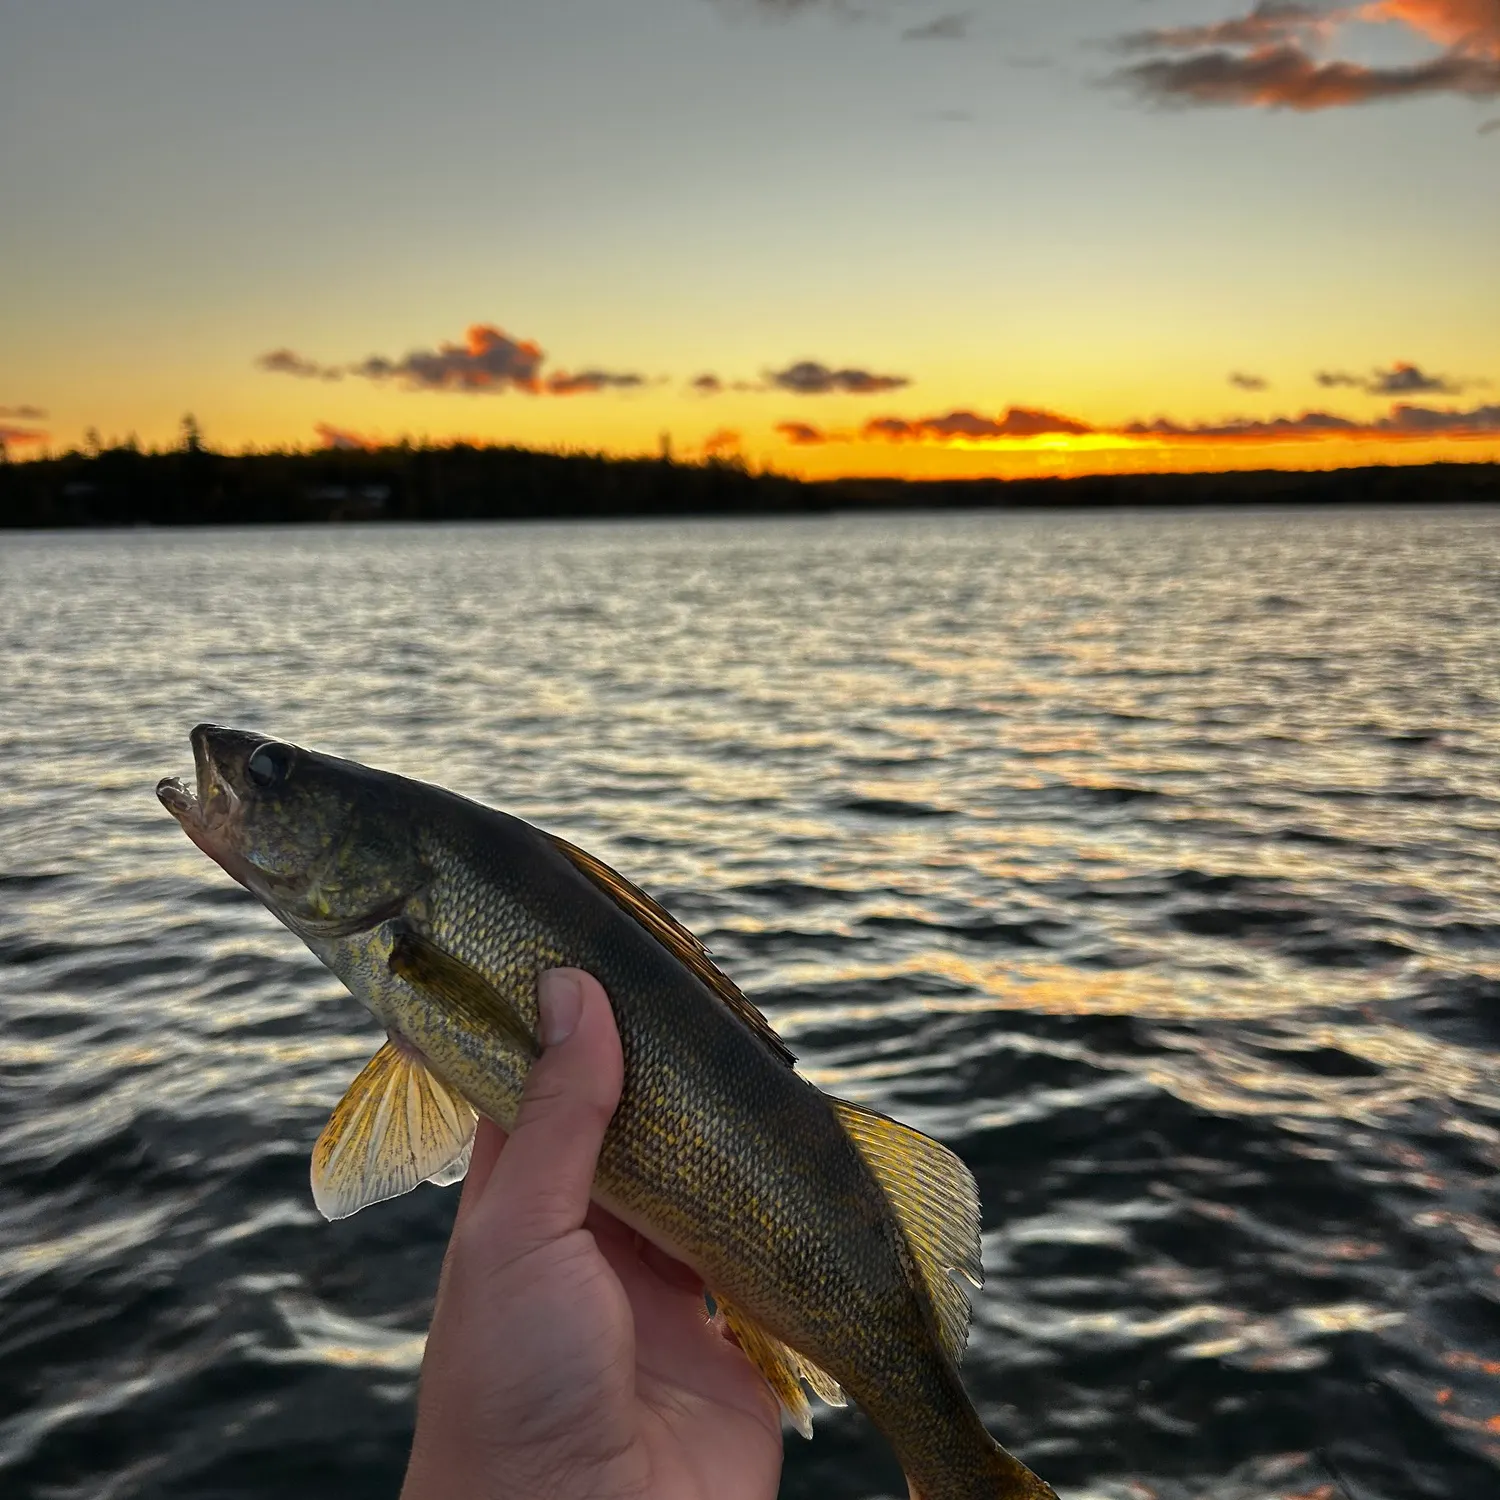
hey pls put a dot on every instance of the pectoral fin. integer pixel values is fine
(398, 1125)
(783, 1368)
(459, 989)
(933, 1196)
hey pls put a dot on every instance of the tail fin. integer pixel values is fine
(1004, 1477)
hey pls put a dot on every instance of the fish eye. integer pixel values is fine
(269, 765)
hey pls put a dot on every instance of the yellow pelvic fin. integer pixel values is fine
(675, 938)
(398, 1125)
(935, 1201)
(784, 1369)
(459, 990)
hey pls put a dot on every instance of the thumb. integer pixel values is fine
(542, 1181)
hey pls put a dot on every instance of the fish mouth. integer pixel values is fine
(211, 812)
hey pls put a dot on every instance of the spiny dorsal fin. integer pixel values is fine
(783, 1368)
(397, 1125)
(675, 938)
(936, 1203)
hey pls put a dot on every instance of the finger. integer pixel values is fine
(488, 1139)
(540, 1185)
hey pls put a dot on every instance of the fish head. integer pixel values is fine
(318, 840)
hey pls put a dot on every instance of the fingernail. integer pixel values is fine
(560, 1000)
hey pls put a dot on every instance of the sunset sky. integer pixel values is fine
(894, 237)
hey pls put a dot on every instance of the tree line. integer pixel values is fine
(195, 486)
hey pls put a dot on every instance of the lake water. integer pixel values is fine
(1148, 860)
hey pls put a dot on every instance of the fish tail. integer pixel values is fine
(999, 1476)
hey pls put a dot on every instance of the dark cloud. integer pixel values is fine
(1402, 379)
(588, 381)
(1248, 382)
(289, 362)
(1403, 420)
(707, 385)
(1309, 424)
(1285, 77)
(488, 360)
(1017, 422)
(1262, 58)
(24, 413)
(809, 378)
(950, 28)
(1268, 23)
(1427, 421)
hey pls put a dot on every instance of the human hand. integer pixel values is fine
(569, 1359)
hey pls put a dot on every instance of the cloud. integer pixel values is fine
(1020, 424)
(9, 435)
(1248, 382)
(1428, 422)
(1490, 126)
(1268, 23)
(1017, 422)
(1402, 379)
(487, 360)
(340, 437)
(950, 28)
(707, 385)
(1309, 424)
(24, 413)
(809, 378)
(289, 362)
(1263, 59)
(1287, 78)
(588, 381)
(724, 440)
(1466, 25)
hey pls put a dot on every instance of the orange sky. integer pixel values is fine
(1001, 240)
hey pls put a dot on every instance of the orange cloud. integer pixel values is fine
(1021, 427)
(487, 360)
(1466, 25)
(18, 435)
(1286, 77)
(724, 440)
(340, 437)
(1261, 58)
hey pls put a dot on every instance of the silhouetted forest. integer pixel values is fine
(195, 486)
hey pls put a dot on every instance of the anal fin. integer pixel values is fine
(398, 1125)
(783, 1368)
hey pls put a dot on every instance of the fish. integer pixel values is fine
(835, 1242)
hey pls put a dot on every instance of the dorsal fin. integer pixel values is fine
(935, 1201)
(674, 937)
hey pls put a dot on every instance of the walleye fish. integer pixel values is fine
(831, 1237)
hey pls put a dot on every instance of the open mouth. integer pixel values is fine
(209, 814)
